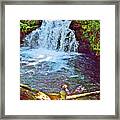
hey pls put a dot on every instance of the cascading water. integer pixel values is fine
(53, 41)
(46, 53)
(53, 35)
(49, 57)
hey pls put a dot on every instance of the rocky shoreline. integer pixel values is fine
(27, 93)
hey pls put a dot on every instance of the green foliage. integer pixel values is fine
(91, 32)
(28, 25)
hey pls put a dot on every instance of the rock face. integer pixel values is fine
(26, 27)
(87, 33)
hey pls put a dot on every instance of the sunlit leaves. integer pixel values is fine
(28, 25)
(91, 32)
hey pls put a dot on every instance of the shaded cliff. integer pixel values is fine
(87, 33)
(26, 27)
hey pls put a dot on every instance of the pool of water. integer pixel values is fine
(47, 70)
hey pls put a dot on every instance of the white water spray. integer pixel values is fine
(53, 35)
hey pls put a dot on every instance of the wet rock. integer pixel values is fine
(87, 35)
(26, 27)
(27, 93)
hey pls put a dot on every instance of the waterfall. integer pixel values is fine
(53, 35)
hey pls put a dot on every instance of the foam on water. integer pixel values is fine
(34, 57)
(50, 46)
